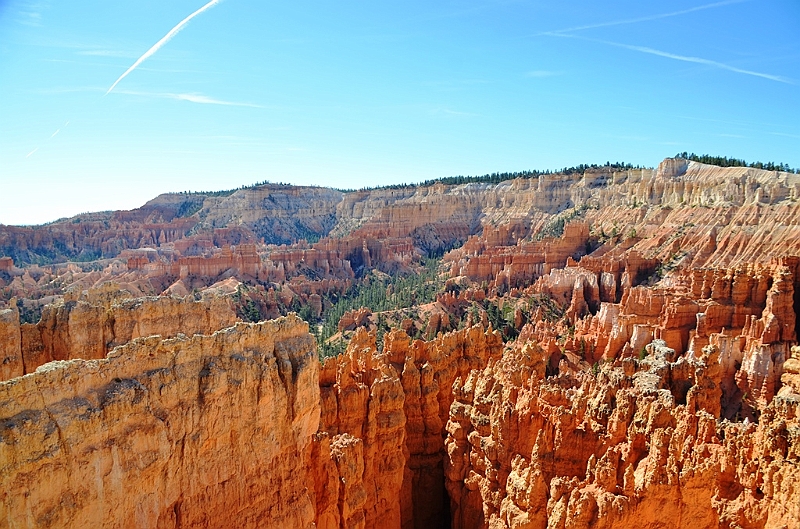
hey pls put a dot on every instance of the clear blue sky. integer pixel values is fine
(353, 94)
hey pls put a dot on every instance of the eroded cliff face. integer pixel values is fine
(207, 431)
(385, 413)
(244, 426)
(11, 363)
(277, 213)
(89, 324)
(615, 449)
(747, 312)
(639, 443)
(684, 213)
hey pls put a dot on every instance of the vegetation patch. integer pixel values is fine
(724, 161)
(378, 292)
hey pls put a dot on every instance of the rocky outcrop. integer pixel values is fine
(655, 380)
(362, 431)
(700, 215)
(184, 431)
(687, 212)
(790, 379)
(747, 311)
(385, 413)
(275, 213)
(11, 363)
(243, 259)
(88, 325)
(354, 318)
(452, 432)
(207, 431)
(624, 447)
(324, 261)
(508, 266)
(6, 264)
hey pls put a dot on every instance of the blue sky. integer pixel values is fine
(353, 94)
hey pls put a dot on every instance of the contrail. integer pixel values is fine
(643, 19)
(174, 31)
(684, 58)
(700, 60)
(193, 98)
(53, 135)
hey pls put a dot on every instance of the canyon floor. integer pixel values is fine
(600, 347)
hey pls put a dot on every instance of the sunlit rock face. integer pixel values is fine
(389, 410)
(206, 431)
(90, 324)
(682, 212)
(639, 443)
(454, 432)
(616, 449)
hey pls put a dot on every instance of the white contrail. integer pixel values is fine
(684, 58)
(174, 31)
(192, 98)
(205, 100)
(699, 60)
(53, 135)
(643, 19)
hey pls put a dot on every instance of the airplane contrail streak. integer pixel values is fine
(174, 31)
(645, 18)
(675, 56)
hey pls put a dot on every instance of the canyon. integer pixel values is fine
(612, 347)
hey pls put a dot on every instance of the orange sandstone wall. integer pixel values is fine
(89, 325)
(385, 412)
(11, 364)
(207, 431)
(621, 448)
(245, 428)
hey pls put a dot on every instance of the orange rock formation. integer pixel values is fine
(453, 432)
(91, 324)
(207, 431)
(627, 447)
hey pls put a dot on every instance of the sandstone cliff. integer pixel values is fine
(207, 431)
(455, 432)
(643, 444)
(682, 212)
(90, 324)
(389, 408)
(624, 447)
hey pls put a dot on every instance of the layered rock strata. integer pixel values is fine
(389, 409)
(623, 447)
(683, 212)
(747, 311)
(207, 431)
(245, 427)
(88, 325)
